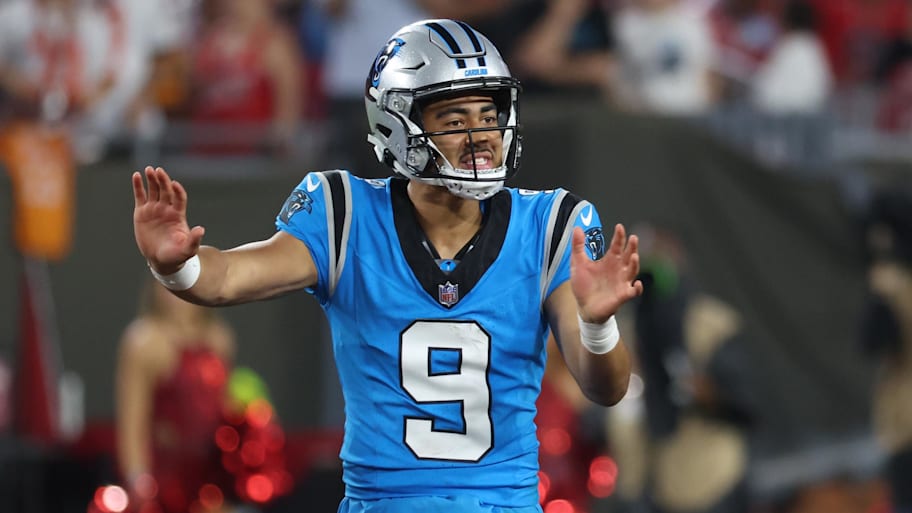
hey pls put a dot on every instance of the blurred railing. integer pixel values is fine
(844, 135)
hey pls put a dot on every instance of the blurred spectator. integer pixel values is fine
(666, 53)
(55, 64)
(354, 30)
(58, 56)
(245, 85)
(894, 74)
(887, 335)
(855, 34)
(311, 23)
(569, 47)
(745, 31)
(796, 78)
(171, 388)
(691, 355)
(470, 11)
(897, 53)
(83, 62)
(155, 31)
(548, 44)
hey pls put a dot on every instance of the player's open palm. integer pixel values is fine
(160, 221)
(602, 286)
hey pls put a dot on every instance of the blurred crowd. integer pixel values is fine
(231, 77)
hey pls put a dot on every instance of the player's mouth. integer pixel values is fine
(481, 160)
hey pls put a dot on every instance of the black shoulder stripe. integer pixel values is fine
(339, 221)
(564, 213)
(337, 192)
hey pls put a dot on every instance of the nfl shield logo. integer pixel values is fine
(448, 293)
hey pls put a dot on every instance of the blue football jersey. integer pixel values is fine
(440, 370)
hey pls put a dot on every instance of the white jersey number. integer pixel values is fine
(468, 385)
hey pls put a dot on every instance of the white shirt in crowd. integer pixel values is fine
(355, 37)
(796, 77)
(666, 56)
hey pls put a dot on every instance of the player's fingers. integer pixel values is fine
(578, 241)
(577, 248)
(153, 184)
(139, 190)
(617, 240)
(637, 288)
(178, 196)
(633, 243)
(164, 185)
(196, 237)
(634, 266)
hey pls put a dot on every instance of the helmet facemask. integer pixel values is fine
(428, 163)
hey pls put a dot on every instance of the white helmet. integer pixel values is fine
(434, 59)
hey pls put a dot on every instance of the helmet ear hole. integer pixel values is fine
(388, 158)
(383, 129)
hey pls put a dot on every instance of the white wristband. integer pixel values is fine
(599, 338)
(184, 278)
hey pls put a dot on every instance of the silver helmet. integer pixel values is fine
(429, 60)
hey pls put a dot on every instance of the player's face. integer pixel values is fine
(463, 113)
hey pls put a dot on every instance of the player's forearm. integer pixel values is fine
(250, 272)
(603, 378)
(212, 287)
(227, 277)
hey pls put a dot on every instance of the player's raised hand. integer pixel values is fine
(602, 286)
(160, 221)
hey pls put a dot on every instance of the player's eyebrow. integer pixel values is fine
(456, 109)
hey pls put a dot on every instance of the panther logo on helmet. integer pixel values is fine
(388, 52)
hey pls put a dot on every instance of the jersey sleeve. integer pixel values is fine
(318, 213)
(568, 212)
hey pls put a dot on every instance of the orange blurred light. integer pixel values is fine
(259, 413)
(259, 488)
(559, 506)
(97, 499)
(544, 486)
(213, 372)
(600, 490)
(603, 473)
(556, 441)
(603, 469)
(211, 496)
